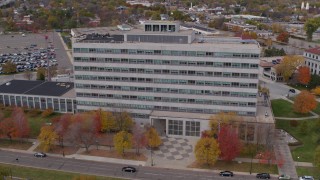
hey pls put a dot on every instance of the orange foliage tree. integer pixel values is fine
(304, 75)
(283, 37)
(305, 102)
(21, 123)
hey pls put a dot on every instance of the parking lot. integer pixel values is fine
(30, 51)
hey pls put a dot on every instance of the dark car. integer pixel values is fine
(226, 173)
(129, 169)
(263, 176)
(40, 154)
(292, 90)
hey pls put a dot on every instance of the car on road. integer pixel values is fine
(263, 176)
(306, 178)
(40, 154)
(292, 90)
(129, 169)
(284, 177)
(226, 173)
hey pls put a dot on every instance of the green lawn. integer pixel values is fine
(283, 108)
(240, 167)
(311, 171)
(40, 174)
(317, 110)
(304, 152)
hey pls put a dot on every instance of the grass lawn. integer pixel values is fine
(36, 123)
(240, 167)
(40, 174)
(317, 110)
(283, 108)
(311, 171)
(5, 143)
(305, 152)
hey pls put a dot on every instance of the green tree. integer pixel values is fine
(317, 157)
(122, 140)
(9, 67)
(207, 151)
(153, 138)
(311, 26)
(41, 73)
(47, 138)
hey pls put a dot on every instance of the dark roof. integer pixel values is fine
(314, 50)
(36, 87)
(105, 37)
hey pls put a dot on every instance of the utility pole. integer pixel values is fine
(48, 67)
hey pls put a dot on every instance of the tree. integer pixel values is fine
(123, 120)
(7, 128)
(316, 90)
(61, 125)
(82, 130)
(107, 120)
(220, 119)
(20, 123)
(288, 65)
(47, 138)
(266, 157)
(207, 151)
(122, 140)
(139, 138)
(154, 140)
(283, 37)
(314, 82)
(229, 143)
(317, 157)
(311, 26)
(28, 75)
(47, 112)
(9, 67)
(304, 75)
(304, 102)
(41, 73)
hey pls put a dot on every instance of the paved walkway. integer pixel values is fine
(174, 148)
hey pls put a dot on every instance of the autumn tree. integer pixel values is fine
(61, 125)
(139, 138)
(124, 122)
(229, 143)
(316, 90)
(82, 130)
(20, 123)
(266, 157)
(207, 151)
(153, 138)
(317, 157)
(9, 67)
(304, 75)
(219, 120)
(288, 65)
(106, 119)
(47, 138)
(283, 37)
(304, 102)
(249, 35)
(122, 140)
(7, 128)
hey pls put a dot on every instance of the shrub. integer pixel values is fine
(294, 123)
(47, 112)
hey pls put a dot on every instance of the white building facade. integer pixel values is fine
(161, 75)
(312, 60)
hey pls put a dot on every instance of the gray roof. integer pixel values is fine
(42, 88)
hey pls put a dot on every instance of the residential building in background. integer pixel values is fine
(165, 76)
(312, 60)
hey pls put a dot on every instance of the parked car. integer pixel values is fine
(263, 176)
(40, 154)
(284, 177)
(306, 178)
(292, 90)
(129, 169)
(226, 173)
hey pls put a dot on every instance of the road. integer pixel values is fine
(108, 169)
(277, 90)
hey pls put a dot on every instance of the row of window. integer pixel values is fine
(166, 52)
(167, 90)
(166, 71)
(168, 62)
(175, 127)
(167, 81)
(167, 99)
(159, 108)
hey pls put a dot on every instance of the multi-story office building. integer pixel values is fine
(165, 76)
(312, 60)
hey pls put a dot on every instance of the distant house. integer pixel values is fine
(312, 60)
(94, 22)
(239, 24)
(269, 68)
(124, 27)
(263, 33)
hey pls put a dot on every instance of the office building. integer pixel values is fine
(312, 60)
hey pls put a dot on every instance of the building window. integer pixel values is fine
(175, 127)
(192, 128)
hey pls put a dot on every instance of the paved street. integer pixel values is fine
(110, 169)
(277, 90)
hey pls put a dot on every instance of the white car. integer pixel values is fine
(306, 178)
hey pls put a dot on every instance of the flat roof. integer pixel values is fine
(41, 88)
